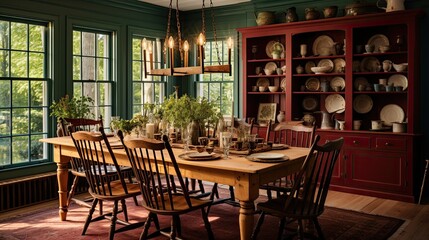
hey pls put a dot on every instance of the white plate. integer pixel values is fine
(270, 47)
(362, 103)
(335, 103)
(378, 40)
(267, 155)
(338, 81)
(279, 146)
(264, 82)
(398, 80)
(308, 66)
(339, 65)
(310, 103)
(360, 80)
(326, 63)
(271, 65)
(392, 113)
(370, 64)
(283, 84)
(312, 84)
(200, 155)
(323, 45)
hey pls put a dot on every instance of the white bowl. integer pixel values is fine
(384, 48)
(268, 71)
(318, 70)
(401, 67)
(273, 88)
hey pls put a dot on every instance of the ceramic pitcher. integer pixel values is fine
(392, 5)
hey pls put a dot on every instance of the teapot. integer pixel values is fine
(392, 5)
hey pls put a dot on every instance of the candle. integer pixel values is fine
(150, 130)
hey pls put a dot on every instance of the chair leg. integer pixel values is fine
(207, 224)
(124, 209)
(173, 228)
(423, 181)
(318, 228)
(113, 220)
(178, 227)
(282, 223)
(200, 184)
(72, 190)
(300, 229)
(147, 226)
(258, 226)
(89, 217)
(269, 194)
(100, 207)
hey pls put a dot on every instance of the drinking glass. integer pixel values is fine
(251, 141)
(303, 50)
(186, 137)
(113, 124)
(226, 142)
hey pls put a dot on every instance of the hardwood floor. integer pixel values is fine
(416, 226)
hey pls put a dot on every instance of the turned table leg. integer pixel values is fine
(62, 177)
(247, 210)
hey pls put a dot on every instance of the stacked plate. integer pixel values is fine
(267, 157)
(196, 156)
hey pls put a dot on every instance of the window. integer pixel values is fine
(92, 69)
(24, 79)
(150, 89)
(217, 87)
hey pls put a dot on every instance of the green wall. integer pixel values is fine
(128, 17)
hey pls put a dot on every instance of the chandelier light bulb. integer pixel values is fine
(230, 43)
(186, 46)
(201, 39)
(171, 42)
(144, 44)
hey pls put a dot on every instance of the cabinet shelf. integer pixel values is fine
(266, 60)
(378, 73)
(317, 75)
(264, 76)
(265, 93)
(318, 57)
(380, 54)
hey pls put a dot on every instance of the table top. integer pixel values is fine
(236, 163)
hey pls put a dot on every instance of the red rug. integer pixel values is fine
(336, 224)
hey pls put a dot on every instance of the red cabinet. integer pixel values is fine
(376, 162)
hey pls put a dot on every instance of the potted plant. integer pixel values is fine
(74, 107)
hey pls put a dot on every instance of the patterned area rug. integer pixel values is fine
(336, 224)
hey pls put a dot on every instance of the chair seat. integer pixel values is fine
(276, 207)
(180, 204)
(118, 191)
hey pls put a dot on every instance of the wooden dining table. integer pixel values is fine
(244, 175)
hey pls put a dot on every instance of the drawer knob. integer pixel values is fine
(387, 144)
(355, 142)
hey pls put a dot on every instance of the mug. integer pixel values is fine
(376, 124)
(357, 124)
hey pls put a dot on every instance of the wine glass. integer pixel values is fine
(226, 142)
(251, 141)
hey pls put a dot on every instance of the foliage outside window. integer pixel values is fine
(150, 89)
(23, 92)
(92, 69)
(217, 87)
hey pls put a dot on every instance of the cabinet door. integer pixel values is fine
(376, 170)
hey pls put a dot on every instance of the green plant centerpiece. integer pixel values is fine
(180, 112)
(74, 107)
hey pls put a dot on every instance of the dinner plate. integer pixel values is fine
(339, 65)
(392, 113)
(279, 146)
(338, 82)
(362, 103)
(335, 103)
(310, 103)
(312, 84)
(271, 66)
(323, 45)
(378, 40)
(200, 155)
(308, 66)
(283, 84)
(264, 157)
(270, 47)
(326, 63)
(263, 82)
(370, 64)
(360, 81)
(191, 157)
(398, 80)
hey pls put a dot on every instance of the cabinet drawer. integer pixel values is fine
(391, 144)
(357, 142)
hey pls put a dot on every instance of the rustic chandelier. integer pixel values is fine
(169, 45)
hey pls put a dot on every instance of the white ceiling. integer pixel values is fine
(185, 5)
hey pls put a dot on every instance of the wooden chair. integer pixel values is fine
(69, 125)
(306, 200)
(423, 181)
(294, 135)
(94, 149)
(159, 197)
